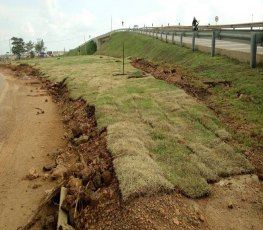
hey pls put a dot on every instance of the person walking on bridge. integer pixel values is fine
(195, 24)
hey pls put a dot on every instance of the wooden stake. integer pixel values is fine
(62, 216)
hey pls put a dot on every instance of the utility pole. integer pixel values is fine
(111, 24)
(10, 46)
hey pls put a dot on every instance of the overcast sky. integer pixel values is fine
(66, 23)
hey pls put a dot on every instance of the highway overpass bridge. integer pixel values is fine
(243, 42)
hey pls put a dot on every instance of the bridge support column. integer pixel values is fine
(166, 34)
(213, 47)
(253, 50)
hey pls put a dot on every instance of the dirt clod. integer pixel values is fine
(86, 175)
(97, 180)
(76, 131)
(82, 139)
(49, 167)
(74, 183)
(176, 221)
(230, 205)
(33, 174)
(106, 177)
(58, 172)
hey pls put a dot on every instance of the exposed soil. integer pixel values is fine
(93, 185)
(25, 143)
(94, 201)
(201, 91)
(172, 77)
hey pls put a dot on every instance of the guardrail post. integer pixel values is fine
(253, 50)
(193, 42)
(181, 39)
(213, 47)
(166, 34)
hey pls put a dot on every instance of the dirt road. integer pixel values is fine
(30, 130)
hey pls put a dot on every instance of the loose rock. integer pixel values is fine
(202, 218)
(176, 221)
(230, 205)
(49, 167)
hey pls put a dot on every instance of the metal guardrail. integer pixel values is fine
(246, 26)
(249, 33)
(221, 32)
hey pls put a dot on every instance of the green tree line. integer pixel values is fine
(19, 47)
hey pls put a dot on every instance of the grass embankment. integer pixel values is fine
(240, 105)
(159, 136)
(87, 48)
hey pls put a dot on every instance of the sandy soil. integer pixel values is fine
(27, 136)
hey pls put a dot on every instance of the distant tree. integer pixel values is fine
(29, 46)
(40, 46)
(18, 46)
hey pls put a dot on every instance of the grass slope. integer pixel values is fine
(88, 48)
(159, 136)
(241, 103)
